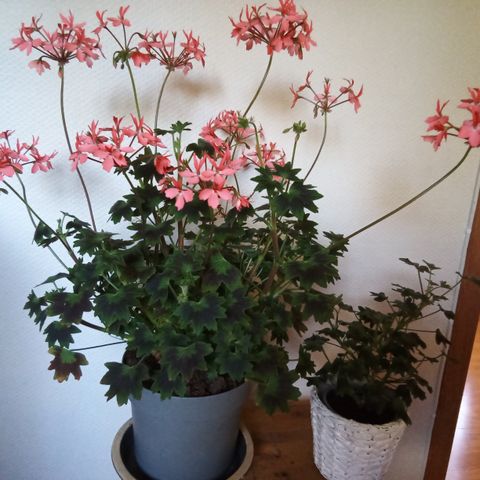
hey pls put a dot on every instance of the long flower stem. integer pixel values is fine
(35, 214)
(415, 198)
(321, 146)
(159, 99)
(134, 88)
(65, 129)
(257, 93)
(27, 205)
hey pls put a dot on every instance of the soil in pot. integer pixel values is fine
(347, 408)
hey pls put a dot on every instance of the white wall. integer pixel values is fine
(407, 54)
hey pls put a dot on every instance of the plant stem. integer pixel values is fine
(27, 205)
(64, 123)
(416, 197)
(97, 346)
(160, 94)
(93, 326)
(134, 88)
(321, 146)
(32, 211)
(257, 93)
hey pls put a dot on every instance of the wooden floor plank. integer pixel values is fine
(465, 457)
(283, 444)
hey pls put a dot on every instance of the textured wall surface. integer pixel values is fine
(407, 54)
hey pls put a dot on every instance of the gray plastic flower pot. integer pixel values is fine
(191, 438)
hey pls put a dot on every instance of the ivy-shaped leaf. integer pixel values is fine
(185, 360)
(233, 363)
(201, 315)
(36, 308)
(120, 210)
(166, 387)
(66, 363)
(114, 308)
(61, 333)
(124, 381)
(221, 271)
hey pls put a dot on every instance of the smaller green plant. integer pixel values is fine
(375, 374)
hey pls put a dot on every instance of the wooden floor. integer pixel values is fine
(283, 444)
(465, 457)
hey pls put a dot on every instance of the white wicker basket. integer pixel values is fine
(347, 450)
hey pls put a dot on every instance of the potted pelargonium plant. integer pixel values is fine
(206, 288)
(371, 374)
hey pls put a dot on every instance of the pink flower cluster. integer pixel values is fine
(469, 130)
(161, 46)
(286, 29)
(111, 145)
(325, 101)
(226, 127)
(211, 177)
(68, 41)
(13, 159)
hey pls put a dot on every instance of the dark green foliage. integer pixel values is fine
(207, 306)
(124, 381)
(380, 351)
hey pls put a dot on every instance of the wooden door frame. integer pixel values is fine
(456, 366)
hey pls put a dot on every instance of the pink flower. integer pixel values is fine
(111, 145)
(471, 132)
(140, 58)
(182, 196)
(39, 65)
(162, 164)
(160, 47)
(241, 202)
(67, 42)
(13, 159)
(286, 29)
(120, 20)
(224, 130)
(438, 123)
(214, 195)
(325, 101)
(470, 129)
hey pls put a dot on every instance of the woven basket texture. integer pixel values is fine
(347, 450)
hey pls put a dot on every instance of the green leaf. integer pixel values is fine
(61, 333)
(143, 341)
(120, 210)
(318, 268)
(276, 391)
(233, 363)
(440, 339)
(200, 148)
(135, 267)
(124, 381)
(44, 235)
(221, 271)
(66, 363)
(151, 234)
(4, 190)
(300, 197)
(69, 306)
(166, 387)
(185, 360)
(305, 365)
(157, 288)
(36, 308)
(53, 278)
(201, 315)
(113, 309)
